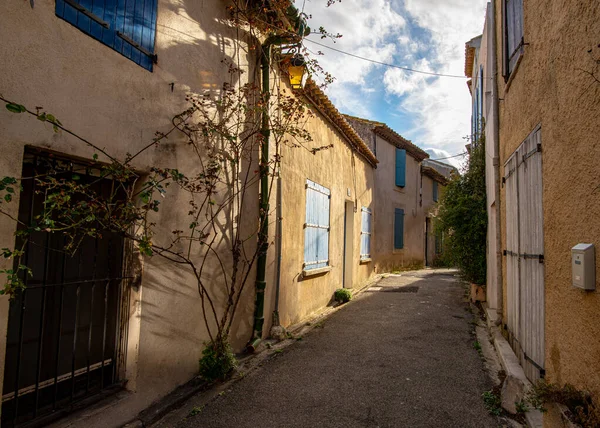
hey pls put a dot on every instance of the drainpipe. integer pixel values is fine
(278, 234)
(497, 170)
(263, 233)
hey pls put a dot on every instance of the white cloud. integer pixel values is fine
(439, 108)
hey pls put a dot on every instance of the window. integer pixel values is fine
(127, 26)
(435, 191)
(513, 34)
(365, 233)
(316, 229)
(398, 228)
(400, 167)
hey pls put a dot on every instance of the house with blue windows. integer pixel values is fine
(404, 193)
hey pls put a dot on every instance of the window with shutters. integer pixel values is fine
(316, 228)
(398, 228)
(435, 191)
(127, 26)
(366, 231)
(400, 167)
(513, 34)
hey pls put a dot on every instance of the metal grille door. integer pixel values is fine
(525, 254)
(64, 328)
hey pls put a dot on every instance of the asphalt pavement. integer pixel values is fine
(400, 355)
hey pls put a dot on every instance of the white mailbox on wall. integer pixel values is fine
(583, 266)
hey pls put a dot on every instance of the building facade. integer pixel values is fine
(544, 68)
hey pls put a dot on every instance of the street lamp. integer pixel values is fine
(296, 71)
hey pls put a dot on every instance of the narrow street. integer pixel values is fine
(400, 355)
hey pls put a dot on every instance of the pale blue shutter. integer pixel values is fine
(398, 228)
(365, 233)
(127, 26)
(316, 233)
(435, 191)
(514, 32)
(400, 167)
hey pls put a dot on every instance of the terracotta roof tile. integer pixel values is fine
(326, 107)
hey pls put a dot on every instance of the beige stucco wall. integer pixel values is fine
(339, 169)
(484, 58)
(115, 103)
(550, 87)
(388, 196)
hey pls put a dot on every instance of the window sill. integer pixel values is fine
(397, 250)
(365, 261)
(400, 189)
(315, 272)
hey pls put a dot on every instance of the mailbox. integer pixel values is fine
(583, 266)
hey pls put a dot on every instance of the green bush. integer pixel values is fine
(462, 218)
(342, 295)
(217, 360)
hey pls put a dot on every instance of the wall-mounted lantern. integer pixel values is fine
(296, 71)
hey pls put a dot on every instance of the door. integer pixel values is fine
(348, 243)
(525, 254)
(64, 327)
(427, 232)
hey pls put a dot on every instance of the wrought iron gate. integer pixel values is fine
(525, 254)
(65, 337)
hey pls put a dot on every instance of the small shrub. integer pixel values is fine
(492, 403)
(342, 295)
(196, 411)
(521, 406)
(217, 360)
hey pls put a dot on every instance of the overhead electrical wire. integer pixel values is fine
(412, 70)
(450, 157)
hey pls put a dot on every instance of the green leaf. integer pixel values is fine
(42, 117)
(10, 190)
(95, 156)
(15, 108)
(8, 197)
(75, 177)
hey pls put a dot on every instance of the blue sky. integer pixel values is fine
(428, 35)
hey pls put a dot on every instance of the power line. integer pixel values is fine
(412, 70)
(450, 157)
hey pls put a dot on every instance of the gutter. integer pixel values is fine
(263, 233)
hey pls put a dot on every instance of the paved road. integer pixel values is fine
(387, 359)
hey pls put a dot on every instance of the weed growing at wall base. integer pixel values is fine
(342, 295)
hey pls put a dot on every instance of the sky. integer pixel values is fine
(429, 35)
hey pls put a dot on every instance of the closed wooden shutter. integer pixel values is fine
(365, 233)
(316, 233)
(513, 34)
(400, 167)
(127, 26)
(398, 228)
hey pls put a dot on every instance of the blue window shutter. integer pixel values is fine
(435, 191)
(398, 228)
(400, 167)
(316, 232)
(127, 26)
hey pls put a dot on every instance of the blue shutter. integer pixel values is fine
(127, 26)
(400, 167)
(316, 232)
(435, 191)
(365, 233)
(398, 228)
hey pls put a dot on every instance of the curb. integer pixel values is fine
(516, 384)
